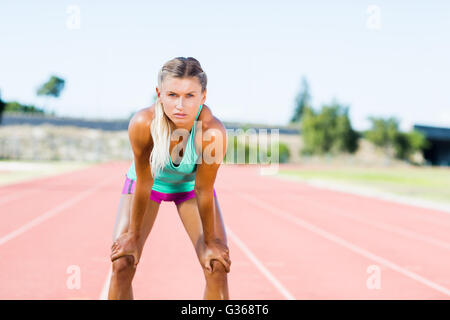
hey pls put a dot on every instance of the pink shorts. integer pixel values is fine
(129, 186)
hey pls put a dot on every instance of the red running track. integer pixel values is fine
(287, 240)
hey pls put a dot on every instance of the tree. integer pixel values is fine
(52, 88)
(14, 106)
(302, 101)
(346, 139)
(385, 133)
(407, 143)
(328, 131)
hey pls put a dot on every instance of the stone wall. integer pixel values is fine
(71, 143)
(48, 142)
(56, 142)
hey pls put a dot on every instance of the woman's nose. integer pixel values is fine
(180, 103)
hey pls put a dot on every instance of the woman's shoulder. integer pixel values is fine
(211, 127)
(209, 120)
(139, 128)
(144, 115)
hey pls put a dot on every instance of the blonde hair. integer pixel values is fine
(160, 129)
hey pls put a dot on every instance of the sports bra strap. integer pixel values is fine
(198, 113)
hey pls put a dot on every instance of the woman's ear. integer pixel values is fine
(204, 96)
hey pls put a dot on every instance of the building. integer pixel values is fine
(439, 151)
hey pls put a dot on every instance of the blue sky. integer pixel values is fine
(389, 61)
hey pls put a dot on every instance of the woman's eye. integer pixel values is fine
(172, 94)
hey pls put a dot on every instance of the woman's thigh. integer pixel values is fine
(190, 217)
(124, 214)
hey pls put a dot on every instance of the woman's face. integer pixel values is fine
(181, 98)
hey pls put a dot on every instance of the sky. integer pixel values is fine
(378, 58)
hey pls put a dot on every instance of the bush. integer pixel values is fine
(283, 152)
(385, 133)
(236, 146)
(407, 143)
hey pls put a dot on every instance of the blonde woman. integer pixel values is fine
(171, 141)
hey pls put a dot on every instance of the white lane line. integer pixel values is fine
(20, 194)
(277, 284)
(387, 227)
(56, 210)
(10, 196)
(365, 253)
(105, 290)
(370, 192)
(274, 281)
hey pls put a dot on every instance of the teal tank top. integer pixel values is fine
(180, 178)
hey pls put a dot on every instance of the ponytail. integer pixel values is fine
(161, 131)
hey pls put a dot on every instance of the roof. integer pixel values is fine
(436, 133)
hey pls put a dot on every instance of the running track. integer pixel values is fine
(287, 240)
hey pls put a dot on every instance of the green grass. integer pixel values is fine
(426, 183)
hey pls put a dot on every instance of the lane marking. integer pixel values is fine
(327, 235)
(277, 284)
(52, 212)
(105, 290)
(387, 227)
(370, 193)
(440, 221)
(259, 265)
(22, 194)
(11, 196)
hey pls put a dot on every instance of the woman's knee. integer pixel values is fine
(123, 267)
(219, 272)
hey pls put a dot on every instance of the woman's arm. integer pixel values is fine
(214, 146)
(142, 145)
(130, 243)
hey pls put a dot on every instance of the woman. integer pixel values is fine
(160, 173)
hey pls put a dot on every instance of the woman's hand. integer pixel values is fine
(215, 250)
(127, 244)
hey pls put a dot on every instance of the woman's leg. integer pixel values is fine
(122, 269)
(216, 282)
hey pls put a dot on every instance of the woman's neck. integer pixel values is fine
(173, 127)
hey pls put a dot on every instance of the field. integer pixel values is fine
(425, 183)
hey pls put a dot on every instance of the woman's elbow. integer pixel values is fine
(201, 191)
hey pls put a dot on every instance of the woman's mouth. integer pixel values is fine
(179, 115)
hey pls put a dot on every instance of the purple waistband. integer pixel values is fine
(178, 197)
